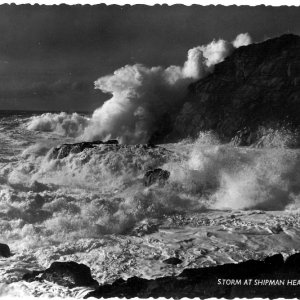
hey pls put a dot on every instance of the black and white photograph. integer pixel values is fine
(149, 151)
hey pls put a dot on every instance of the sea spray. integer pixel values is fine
(63, 124)
(142, 97)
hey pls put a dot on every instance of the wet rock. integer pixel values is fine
(146, 228)
(276, 229)
(293, 261)
(275, 261)
(65, 149)
(151, 145)
(33, 276)
(173, 261)
(156, 175)
(37, 202)
(229, 281)
(38, 186)
(111, 142)
(4, 250)
(69, 274)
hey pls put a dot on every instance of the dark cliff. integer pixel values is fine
(257, 86)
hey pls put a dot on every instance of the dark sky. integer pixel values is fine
(50, 56)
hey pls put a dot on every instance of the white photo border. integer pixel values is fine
(160, 2)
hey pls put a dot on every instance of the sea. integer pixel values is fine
(222, 203)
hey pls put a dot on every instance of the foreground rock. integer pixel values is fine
(65, 149)
(4, 250)
(270, 278)
(173, 261)
(158, 175)
(69, 274)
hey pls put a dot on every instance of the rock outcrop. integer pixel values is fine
(158, 175)
(271, 278)
(173, 261)
(65, 149)
(4, 250)
(258, 86)
(69, 274)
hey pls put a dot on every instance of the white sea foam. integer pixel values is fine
(85, 206)
(63, 124)
(240, 178)
(100, 190)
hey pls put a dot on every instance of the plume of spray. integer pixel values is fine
(243, 39)
(70, 125)
(142, 96)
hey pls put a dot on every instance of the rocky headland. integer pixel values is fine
(252, 93)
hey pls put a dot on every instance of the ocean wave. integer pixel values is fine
(144, 99)
(71, 125)
(101, 190)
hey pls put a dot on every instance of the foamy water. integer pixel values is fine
(89, 206)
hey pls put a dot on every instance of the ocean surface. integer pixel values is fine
(222, 203)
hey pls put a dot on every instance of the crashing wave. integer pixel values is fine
(71, 125)
(100, 190)
(142, 97)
